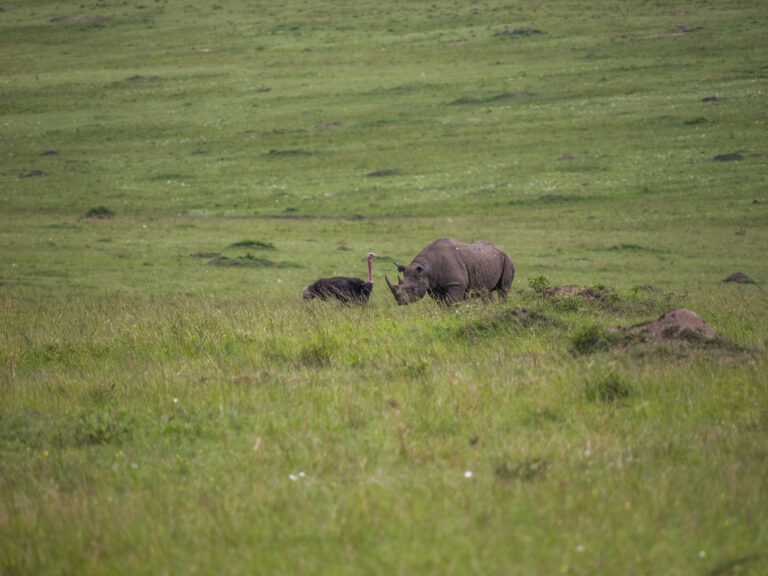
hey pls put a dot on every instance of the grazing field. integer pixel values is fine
(173, 174)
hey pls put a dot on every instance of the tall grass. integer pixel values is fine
(225, 432)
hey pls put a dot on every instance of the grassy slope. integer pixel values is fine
(142, 384)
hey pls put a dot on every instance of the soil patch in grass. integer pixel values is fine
(383, 173)
(739, 278)
(100, 213)
(287, 153)
(141, 79)
(34, 174)
(678, 327)
(464, 100)
(674, 325)
(520, 32)
(733, 157)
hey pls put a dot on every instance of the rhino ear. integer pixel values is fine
(400, 268)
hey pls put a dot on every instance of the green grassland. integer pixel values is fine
(168, 404)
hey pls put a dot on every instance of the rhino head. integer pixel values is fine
(413, 286)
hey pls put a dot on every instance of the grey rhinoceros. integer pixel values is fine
(449, 271)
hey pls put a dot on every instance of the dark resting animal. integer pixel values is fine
(449, 271)
(350, 290)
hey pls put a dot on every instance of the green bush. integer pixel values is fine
(539, 283)
(588, 339)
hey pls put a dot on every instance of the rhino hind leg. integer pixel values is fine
(507, 276)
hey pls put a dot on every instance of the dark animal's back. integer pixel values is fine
(339, 288)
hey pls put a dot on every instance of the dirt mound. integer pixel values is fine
(677, 324)
(739, 278)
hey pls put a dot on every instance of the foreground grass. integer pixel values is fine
(380, 439)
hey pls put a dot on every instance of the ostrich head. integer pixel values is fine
(371, 256)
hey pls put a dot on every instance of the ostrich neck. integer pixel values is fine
(370, 271)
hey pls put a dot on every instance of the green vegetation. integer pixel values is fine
(172, 176)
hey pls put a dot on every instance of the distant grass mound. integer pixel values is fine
(253, 244)
(249, 261)
(100, 213)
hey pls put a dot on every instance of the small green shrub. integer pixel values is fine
(588, 339)
(539, 283)
(99, 428)
(568, 303)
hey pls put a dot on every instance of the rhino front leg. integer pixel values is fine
(454, 292)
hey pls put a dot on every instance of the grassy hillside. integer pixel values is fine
(173, 174)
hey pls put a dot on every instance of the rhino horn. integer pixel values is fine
(392, 288)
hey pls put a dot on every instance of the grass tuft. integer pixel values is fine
(253, 244)
(249, 261)
(607, 388)
(100, 213)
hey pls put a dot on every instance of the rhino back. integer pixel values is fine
(478, 265)
(484, 262)
(443, 261)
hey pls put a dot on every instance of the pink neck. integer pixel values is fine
(370, 270)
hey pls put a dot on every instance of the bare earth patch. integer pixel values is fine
(733, 157)
(70, 19)
(99, 213)
(677, 324)
(739, 278)
(33, 174)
